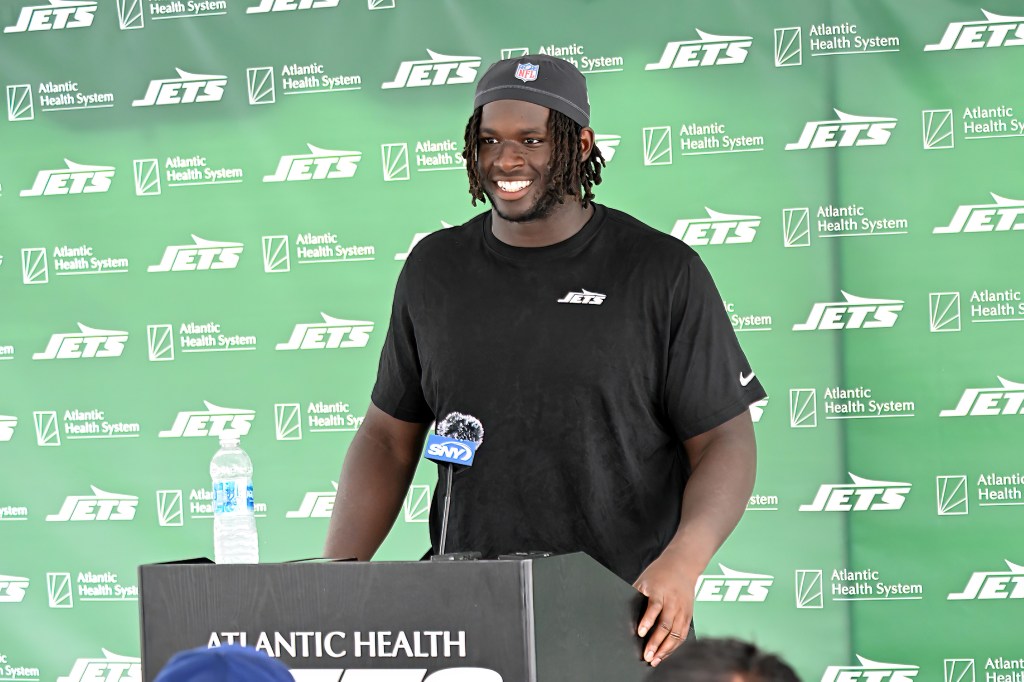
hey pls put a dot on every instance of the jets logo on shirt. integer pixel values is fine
(583, 297)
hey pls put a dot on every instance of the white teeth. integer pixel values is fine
(514, 186)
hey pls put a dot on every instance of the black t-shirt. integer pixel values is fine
(588, 362)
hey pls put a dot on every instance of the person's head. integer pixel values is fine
(729, 660)
(531, 124)
(228, 663)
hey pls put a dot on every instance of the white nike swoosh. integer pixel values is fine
(744, 380)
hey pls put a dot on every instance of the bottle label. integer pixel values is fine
(233, 496)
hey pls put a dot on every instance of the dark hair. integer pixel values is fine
(570, 175)
(720, 660)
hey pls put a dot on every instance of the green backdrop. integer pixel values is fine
(205, 207)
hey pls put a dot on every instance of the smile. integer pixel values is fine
(506, 186)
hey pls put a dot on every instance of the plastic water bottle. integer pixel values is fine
(234, 513)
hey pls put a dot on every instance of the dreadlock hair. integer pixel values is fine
(569, 173)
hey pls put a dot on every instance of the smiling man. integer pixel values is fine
(595, 351)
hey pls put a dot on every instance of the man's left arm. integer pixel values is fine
(723, 462)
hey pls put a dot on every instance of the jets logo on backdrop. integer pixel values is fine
(1004, 215)
(187, 88)
(733, 586)
(757, 410)
(12, 589)
(7, 426)
(289, 5)
(995, 31)
(1006, 399)
(202, 254)
(608, 144)
(710, 50)
(331, 333)
(994, 584)
(440, 69)
(717, 228)
(100, 506)
(315, 505)
(76, 178)
(110, 668)
(212, 421)
(861, 495)
(416, 239)
(57, 15)
(319, 164)
(870, 670)
(853, 313)
(88, 343)
(846, 130)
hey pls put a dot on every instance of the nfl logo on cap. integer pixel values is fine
(527, 72)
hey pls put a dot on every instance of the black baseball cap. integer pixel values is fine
(538, 78)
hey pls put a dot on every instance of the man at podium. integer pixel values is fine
(595, 352)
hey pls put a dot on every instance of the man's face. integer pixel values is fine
(513, 158)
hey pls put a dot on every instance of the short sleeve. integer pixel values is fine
(709, 379)
(398, 390)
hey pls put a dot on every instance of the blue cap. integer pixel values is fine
(228, 663)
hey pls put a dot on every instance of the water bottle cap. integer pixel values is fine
(229, 437)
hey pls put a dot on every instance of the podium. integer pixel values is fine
(551, 619)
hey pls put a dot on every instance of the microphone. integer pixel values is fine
(455, 442)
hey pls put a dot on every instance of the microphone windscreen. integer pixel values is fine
(462, 427)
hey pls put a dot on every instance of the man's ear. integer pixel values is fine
(586, 143)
